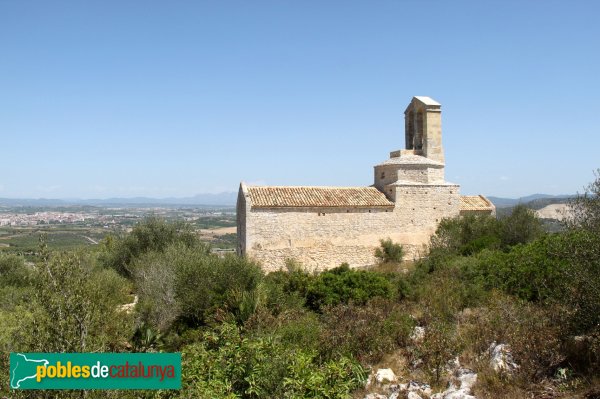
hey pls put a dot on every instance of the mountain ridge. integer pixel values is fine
(226, 198)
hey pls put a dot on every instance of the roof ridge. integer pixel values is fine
(332, 187)
(317, 196)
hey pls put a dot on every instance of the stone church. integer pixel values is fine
(322, 227)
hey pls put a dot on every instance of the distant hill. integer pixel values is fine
(227, 199)
(222, 199)
(534, 201)
(554, 211)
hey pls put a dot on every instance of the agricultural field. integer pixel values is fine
(68, 228)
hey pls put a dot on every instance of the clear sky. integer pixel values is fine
(175, 98)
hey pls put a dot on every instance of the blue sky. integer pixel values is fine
(126, 98)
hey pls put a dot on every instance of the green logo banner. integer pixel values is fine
(95, 370)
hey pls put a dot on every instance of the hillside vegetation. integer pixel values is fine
(293, 334)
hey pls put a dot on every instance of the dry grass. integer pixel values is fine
(403, 267)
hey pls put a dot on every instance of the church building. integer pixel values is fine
(322, 227)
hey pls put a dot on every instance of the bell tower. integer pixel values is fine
(423, 128)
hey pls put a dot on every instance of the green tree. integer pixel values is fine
(389, 251)
(343, 285)
(520, 227)
(464, 235)
(188, 284)
(585, 207)
(75, 307)
(228, 364)
(151, 235)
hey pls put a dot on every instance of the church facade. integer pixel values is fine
(322, 227)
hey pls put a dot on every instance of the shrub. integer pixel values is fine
(75, 307)
(439, 345)
(15, 282)
(534, 333)
(228, 364)
(365, 332)
(206, 283)
(471, 234)
(286, 290)
(186, 284)
(154, 277)
(520, 227)
(444, 293)
(13, 271)
(562, 269)
(389, 251)
(333, 379)
(342, 285)
(300, 329)
(579, 282)
(456, 235)
(586, 208)
(151, 235)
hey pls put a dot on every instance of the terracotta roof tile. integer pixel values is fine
(475, 203)
(327, 197)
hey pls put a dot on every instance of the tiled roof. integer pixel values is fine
(327, 197)
(475, 203)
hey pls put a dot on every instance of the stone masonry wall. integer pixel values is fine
(323, 238)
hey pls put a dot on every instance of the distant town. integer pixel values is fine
(67, 227)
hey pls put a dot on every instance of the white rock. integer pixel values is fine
(418, 334)
(128, 307)
(501, 358)
(385, 376)
(453, 364)
(375, 396)
(467, 378)
(414, 395)
(459, 394)
(419, 387)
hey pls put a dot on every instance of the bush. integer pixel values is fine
(286, 290)
(561, 269)
(456, 235)
(444, 293)
(365, 332)
(534, 333)
(439, 344)
(15, 282)
(471, 234)
(13, 271)
(187, 284)
(228, 364)
(520, 227)
(586, 208)
(151, 235)
(333, 379)
(75, 307)
(389, 252)
(342, 285)
(206, 283)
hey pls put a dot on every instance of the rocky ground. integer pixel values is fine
(460, 381)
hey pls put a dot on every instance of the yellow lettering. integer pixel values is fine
(41, 373)
(51, 371)
(61, 370)
(85, 371)
(76, 371)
